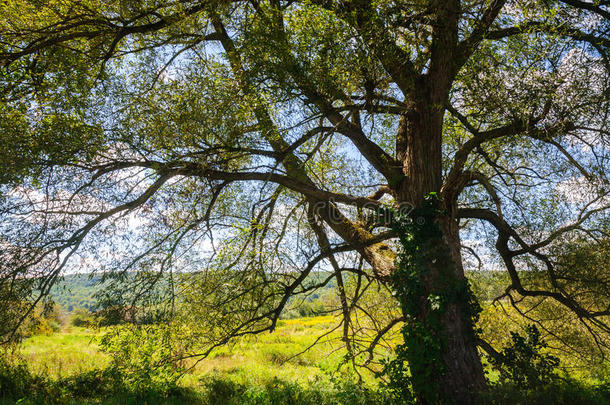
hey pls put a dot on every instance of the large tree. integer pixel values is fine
(264, 139)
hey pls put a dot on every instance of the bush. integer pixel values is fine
(17, 382)
(45, 319)
(90, 384)
(567, 392)
(523, 362)
(221, 390)
(82, 318)
(142, 356)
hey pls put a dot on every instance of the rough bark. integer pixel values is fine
(460, 374)
(464, 373)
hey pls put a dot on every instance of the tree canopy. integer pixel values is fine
(251, 143)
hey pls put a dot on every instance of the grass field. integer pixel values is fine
(283, 353)
(248, 368)
(278, 368)
(71, 351)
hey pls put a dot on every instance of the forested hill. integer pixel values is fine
(78, 291)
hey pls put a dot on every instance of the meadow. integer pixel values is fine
(68, 367)
(285, 354)
(63, 360)
(280, 367)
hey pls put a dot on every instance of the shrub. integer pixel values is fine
(142, 356)
(566, 392)
(90, 384)
(523, 362)
(17, 382)
(222, 390)
(82, 318)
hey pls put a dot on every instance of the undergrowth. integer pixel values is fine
(19, 385)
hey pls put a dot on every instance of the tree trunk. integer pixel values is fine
(439, 336)
(463, 375)
(457, 374)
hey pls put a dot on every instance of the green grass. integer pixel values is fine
(68, 368)
(255, 360)
(264, 369)
(284, 354)
(69, 352)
